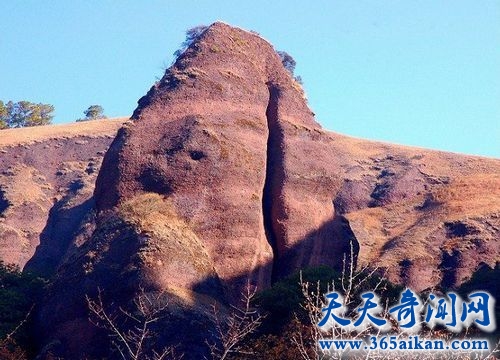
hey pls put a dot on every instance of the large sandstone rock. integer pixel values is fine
(224, 178)
(226, 138)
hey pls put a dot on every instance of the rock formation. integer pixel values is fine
(225, 178)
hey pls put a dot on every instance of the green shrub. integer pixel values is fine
(19, 292)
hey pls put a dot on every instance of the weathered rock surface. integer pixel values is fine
(46, 189)
(223, 137)
(224, 177)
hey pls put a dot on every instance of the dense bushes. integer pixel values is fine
(287, 331)
(19, 293)
(285, 298)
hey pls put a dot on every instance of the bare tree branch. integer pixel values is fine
(232, 329)
(131, 341)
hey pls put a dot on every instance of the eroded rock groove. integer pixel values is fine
(275, 173)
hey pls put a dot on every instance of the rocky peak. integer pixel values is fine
(209, 138)
(226, 64)
(226, 70)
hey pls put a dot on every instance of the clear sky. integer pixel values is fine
(423, 73)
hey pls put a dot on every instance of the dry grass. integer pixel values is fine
(11, 137)
(144, 209)
(24, 184)
(170, 243)
(434, 161)
(253, 124)
(471, 196)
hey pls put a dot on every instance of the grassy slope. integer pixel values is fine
(12, 137)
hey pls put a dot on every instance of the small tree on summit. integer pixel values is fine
(94, 112)
(191, 35)
(288, 61)
(194, 32)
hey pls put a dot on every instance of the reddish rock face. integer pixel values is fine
(224, 178)
(226, 137)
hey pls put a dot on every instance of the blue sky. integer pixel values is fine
(423, 73)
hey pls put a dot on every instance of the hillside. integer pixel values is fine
(91, 128)
(46, 186)
(224, 178)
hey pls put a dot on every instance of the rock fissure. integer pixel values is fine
(271, 197)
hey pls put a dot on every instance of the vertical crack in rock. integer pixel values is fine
(275, 175)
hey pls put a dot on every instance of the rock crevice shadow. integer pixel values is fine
(63, 223)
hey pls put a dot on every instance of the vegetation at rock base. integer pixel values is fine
(293, 306)
(25, 114)
(19, 293)
(283, 327)
(285, 298)
(286, 306)
(137, 341)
